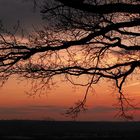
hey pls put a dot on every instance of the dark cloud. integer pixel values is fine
(106, 109)
(30, 109)
(10, 111)
(47, 107)
(102, 109)
(12, 11)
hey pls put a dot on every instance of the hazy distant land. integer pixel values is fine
(33, 130)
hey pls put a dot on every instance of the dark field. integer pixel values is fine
(33, 130)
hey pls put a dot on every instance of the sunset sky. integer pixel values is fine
(15, 103)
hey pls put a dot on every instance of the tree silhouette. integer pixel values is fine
(94, 38)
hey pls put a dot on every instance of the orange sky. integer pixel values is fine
(16, 104)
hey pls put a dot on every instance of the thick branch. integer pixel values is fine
(103, 9)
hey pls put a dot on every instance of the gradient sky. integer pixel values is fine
(16, 104)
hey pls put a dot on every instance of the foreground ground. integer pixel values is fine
(33, 130)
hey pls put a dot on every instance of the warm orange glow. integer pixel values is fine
(16, 104)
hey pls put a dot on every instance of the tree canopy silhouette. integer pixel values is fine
(99, 39)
